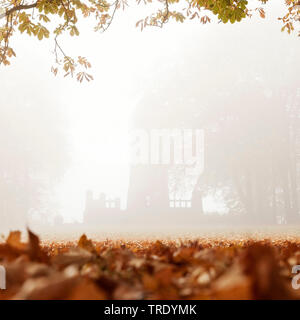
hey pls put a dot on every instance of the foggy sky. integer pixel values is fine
(125, 63)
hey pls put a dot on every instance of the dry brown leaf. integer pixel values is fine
(34, 249)
(57, 286)
(14, 241)
(87, 290)
(75, 256)
(86, 244)
(233, 285)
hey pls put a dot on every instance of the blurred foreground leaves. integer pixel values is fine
(195, 269)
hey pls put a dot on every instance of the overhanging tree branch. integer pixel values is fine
(18, 8)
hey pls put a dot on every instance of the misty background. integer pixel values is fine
(240, 83)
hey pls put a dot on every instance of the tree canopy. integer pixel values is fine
(52, 18)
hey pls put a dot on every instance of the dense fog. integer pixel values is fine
(66, 149)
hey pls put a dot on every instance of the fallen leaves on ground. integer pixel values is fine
(195, 269)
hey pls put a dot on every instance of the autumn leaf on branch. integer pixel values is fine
(49, 19)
